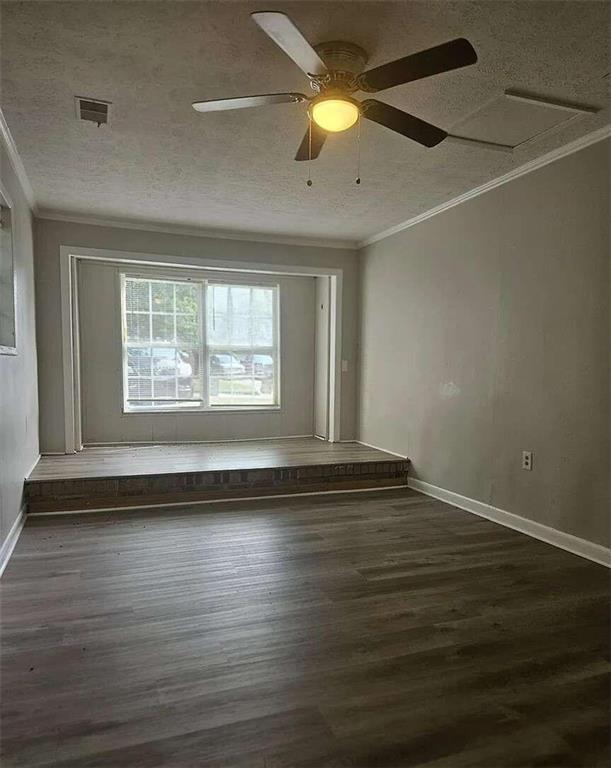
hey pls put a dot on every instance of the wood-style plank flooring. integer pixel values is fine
(374, 629)
(120, 461)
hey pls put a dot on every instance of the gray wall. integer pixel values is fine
(49, 235)
(485, 332)
(101, 370)
(18, 381)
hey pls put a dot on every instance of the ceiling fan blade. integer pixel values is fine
(442, 58)
(402, 122)
(286, 35)
(318, 139)
(218, 105)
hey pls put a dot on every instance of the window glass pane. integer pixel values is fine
(262, 302)
(139, 388)
(240, 332)
(220, 298)
(240, 316)
(187, 298)
(239, 298)
(188, 322)
(241, 378)
(218, 330)
(262, 333)
(162, 297)
(164, 361)
(137, 295)
(188, 374)
(165, 387)
(217, 326)
(163, 328)
(138, 328)
(139, 361)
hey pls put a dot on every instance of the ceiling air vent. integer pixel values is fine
(93, 110)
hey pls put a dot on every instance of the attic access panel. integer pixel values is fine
(513, 118)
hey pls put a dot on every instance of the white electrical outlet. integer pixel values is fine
(527, 460)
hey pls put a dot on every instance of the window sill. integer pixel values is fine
(213, 409)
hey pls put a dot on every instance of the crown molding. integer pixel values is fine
(177, 229)
(522, 170)
(19, 168)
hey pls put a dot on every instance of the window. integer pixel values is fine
(198, 344)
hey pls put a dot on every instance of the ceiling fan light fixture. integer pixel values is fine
(334, 114)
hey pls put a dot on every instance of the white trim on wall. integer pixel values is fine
(70, 255)
(16, 162)
(377, 448)
(33, 467)
(556, 538)
(8, 545)
(72, 400)
(11, 540)
(522, 170)
(335, 358)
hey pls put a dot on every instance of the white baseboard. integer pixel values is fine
(11, 540)
(33, 467)
(566, 541)
(377, 448)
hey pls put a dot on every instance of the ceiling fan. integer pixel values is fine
(335, 71)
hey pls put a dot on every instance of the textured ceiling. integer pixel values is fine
(159, 161)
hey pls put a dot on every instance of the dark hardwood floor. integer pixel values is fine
(373, 629)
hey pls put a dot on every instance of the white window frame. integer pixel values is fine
(204, 405)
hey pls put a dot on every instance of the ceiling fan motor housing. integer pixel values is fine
(344, 61)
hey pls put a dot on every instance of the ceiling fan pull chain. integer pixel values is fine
(309, 181)
(358, 150)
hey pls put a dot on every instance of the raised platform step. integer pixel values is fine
(102, 478)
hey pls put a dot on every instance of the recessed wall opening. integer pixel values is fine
(170, 352)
